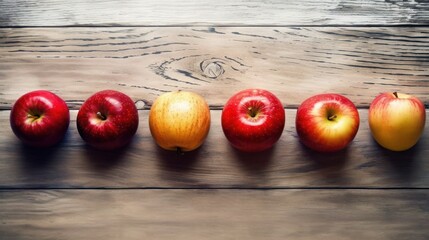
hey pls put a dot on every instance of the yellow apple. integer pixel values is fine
(179, 120)
(396, 120)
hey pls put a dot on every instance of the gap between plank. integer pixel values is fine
(221, 25)
(212, 188)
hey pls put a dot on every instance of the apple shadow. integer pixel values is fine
(178, 161)
(404, 163)
(41, 167)
(326, 159)
(34, 158)
(254, 163)
(328, 165)
(104, 160)
(38, 158)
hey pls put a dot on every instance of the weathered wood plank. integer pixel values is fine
(221, 12)
(294, 63)
(215, 165)
(214, 214)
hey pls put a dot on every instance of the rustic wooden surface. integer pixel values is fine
(214, 214)
(215, 165)
(294, 63)
(206, 12)
(145, 48)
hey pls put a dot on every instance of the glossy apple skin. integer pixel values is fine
(108, 120)
(40, 118)
(327, 122)
(179, 121)
(253, 120)
(396, 123)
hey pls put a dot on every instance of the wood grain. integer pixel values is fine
(203, 12)
(215, 48)
(214, 214)
(294, 63)
(214, 165)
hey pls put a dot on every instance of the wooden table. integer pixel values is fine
(145, 48)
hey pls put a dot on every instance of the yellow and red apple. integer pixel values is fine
(327, 122)
(396, 120)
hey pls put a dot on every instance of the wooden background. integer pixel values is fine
(145, 48)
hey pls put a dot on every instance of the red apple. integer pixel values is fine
(40, 118)
(253, 120)
(108, 120)
(396, 120)
(327, 122)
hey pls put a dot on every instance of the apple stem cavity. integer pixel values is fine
(33, 117)
(396, 94)
(101, 116)
(252, 112)
(331, 115)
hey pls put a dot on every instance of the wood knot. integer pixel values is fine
(212, 68)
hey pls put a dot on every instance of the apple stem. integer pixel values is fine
(332, 117)
(179, 152)
(101, 116)
(396, 94)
